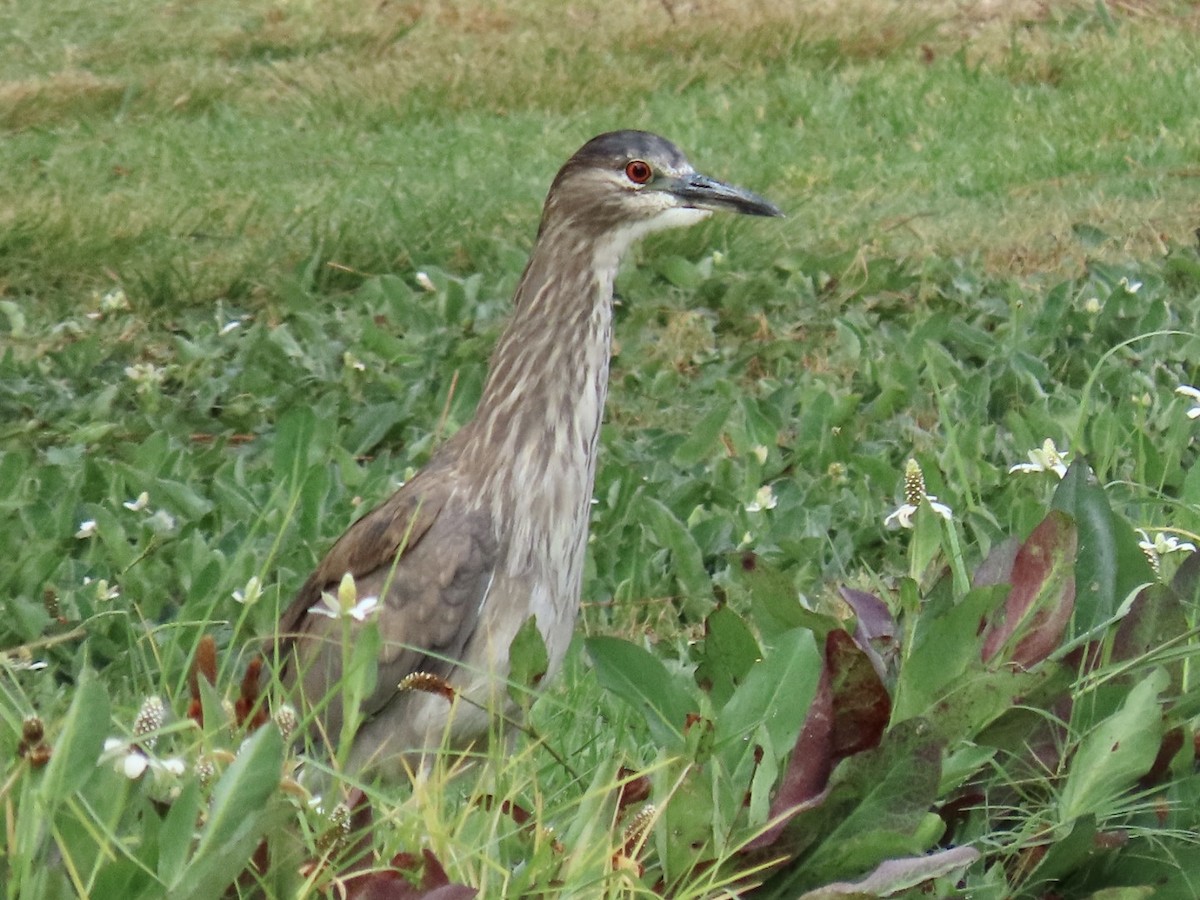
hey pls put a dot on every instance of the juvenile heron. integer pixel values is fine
(493, 530)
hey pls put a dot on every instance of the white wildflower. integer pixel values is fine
(1092, 305)
(914, 496)
(132, 762)
(760, 453)
(113, 300)
(345, 604)
(1131, 287)
(901, 516)
(1047, 458)
(426, 282)
(764, 498)
(146, 376)
(1163, 542)
(162, 522)
(249, 594)
(104, 591)
(142, 501)
(1193, 394)
(87, 529)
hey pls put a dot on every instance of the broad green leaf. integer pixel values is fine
(704, 436)
(640, 679)
(1110, 564)
(945, 648)
(527, 661)
(237, 818)
(877, 806)
(687, 562)
(178, 829)
(687, 830)
(210, 876)
(294, 440)
(1117, 752)
(727, 654)
(78, 744)
(775, 603)
(776, 694)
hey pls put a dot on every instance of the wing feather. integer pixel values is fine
(428, 560)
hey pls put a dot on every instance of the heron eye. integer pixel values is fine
(638, 172)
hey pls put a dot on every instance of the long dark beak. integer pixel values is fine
(708, 193)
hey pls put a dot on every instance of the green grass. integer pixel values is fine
(971, 198)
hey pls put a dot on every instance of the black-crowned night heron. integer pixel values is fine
(493, 530)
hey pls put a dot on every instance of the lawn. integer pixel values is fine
(253, 258)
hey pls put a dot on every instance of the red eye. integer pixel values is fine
(639, 172)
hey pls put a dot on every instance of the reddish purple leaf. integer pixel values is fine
(874, 629)
(848, 715)
(1039, 606)
(393, 883)
(861, 703)
(803, 783)
(997, 568)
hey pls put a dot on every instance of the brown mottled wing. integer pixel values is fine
(429, 561)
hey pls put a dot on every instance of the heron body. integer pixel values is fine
(493, 530)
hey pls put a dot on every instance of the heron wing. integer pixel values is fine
(428, 560)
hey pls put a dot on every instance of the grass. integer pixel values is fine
(989, 242)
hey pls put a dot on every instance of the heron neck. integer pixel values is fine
(538, 422)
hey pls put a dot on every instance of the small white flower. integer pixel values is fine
(350, 361)
(161, 522)
(147, 376)
(914, 496)
(87, 529)
(133, 763)
(760, 453)
(901, 517)
(126, 759)
(764, 498)
(113, 300)
(1131, 287)
(1193, 394)
(145, 373)
(103, 590)
(1163, 543)
(142, 501)
(23, 665)
(345, 604)
(1092, 305)
(426, 282)
(229, 327)
(1047, 458)
(249, 595)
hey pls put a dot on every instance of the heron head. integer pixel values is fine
(624, 184)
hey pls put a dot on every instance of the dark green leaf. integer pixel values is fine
(1111, 565)
(78, 744)
(640, 679)
(687, 562)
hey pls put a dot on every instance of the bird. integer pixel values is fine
(493, 529)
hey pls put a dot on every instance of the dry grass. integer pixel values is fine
(505, 53)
